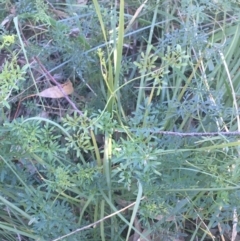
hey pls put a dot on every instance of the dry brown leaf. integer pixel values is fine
(55, 92)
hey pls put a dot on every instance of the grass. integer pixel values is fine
(146, 146)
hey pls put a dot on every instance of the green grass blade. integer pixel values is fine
(135, 209)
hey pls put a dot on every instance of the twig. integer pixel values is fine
(58, 85)
(234, 133)
(181, 134)
(97, 222)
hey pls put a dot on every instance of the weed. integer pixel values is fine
(147, 145)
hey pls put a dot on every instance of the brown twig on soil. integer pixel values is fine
(58, 85)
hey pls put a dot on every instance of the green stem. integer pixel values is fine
(149, 47)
